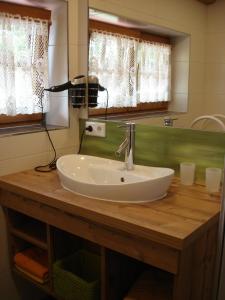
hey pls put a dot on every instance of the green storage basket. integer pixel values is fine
(77, 277)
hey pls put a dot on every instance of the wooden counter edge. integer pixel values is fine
(95, 217)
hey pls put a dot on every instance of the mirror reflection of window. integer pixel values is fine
(154, 76)
(134, 66)
(113, 59)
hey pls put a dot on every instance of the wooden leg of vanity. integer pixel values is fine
(210, 263)
(51, 255)
(110, 275)
(9, 238)
(194, 280)
(182, 284)
(104, 273)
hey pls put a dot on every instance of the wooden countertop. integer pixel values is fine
(175, 221)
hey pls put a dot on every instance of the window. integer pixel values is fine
(136, 70)
(23, 62)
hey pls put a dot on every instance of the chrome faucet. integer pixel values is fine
(127, 146)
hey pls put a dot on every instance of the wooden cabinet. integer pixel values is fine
(118, 271)
(172, 240)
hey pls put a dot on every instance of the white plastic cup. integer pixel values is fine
(213, 179)
(187, 173)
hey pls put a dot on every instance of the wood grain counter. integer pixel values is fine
(177, 234)
(174, 221)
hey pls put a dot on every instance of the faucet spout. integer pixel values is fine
(127, 146)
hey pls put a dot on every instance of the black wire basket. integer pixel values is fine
(77, 95)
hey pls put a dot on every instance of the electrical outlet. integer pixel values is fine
(98, 128)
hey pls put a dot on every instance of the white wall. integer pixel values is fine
(26, 151)
(187, 16)
(215, 59)
(58, 113)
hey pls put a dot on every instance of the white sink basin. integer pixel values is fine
(106, 179)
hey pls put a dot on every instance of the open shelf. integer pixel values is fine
(117, 269)
(154, 285)
(45, 286)
(32, 232)
(28, 229)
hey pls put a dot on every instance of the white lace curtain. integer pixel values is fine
(154, 73)
(23, 64)
(133, 71)
(112, 58)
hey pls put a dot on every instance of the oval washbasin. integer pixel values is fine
(107, 179)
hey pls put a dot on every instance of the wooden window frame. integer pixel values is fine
(36, 13)
(143, 36)
(141, 107)
(7, 121)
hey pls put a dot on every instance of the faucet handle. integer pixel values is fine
(122, 147)
(168, 121)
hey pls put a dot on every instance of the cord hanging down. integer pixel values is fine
(93, 88)
(52, 164)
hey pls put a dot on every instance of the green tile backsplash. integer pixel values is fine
(162, 146)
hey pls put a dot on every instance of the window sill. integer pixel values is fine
(136, 115)
(26, 129)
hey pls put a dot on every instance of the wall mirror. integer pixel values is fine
(194, 80)
(121, 53)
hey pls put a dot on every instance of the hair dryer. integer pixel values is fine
(77, 90)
